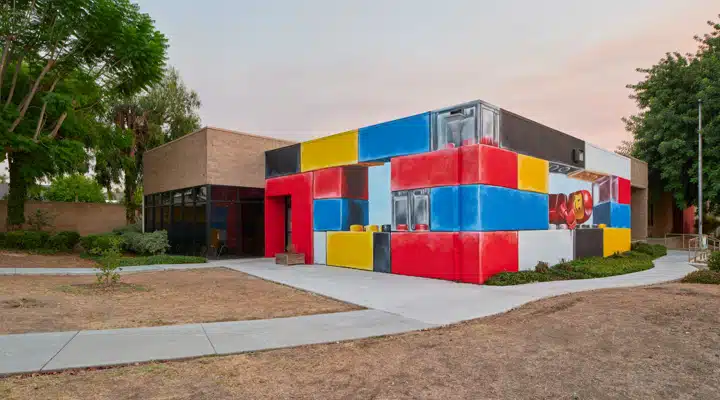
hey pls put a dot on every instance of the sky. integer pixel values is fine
(300, 69)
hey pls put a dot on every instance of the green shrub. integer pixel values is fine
(654, 250)
(97, 244)
(151, 243)
(65, 240)
(518, 278)
(161, 259)
(26, 240)
(714, 261)
(109, 261)
(542, 267)
(2, 239)
(703, 276)
(136, 228)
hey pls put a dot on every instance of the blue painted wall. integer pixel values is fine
(380, 195)
(493, 208)
(444, 209)
(410, 135)
(614, 215)
(339, 214)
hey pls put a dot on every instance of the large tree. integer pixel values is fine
(164, 112)
(665, 129)
(60, 60)
(75, 187)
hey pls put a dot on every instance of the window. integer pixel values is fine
(400, 210)
(201, 194)
(158, 219)
(651, 215)
(177, 197)
(490, 125)
(456, 127)
(420, 217)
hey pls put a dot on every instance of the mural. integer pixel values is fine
(450, 194)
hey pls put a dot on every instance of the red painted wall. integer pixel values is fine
(341, 182)
(488, 165)
(484, 254)
(425, 254)
(299, 188)
(425, 170)
(623, 191)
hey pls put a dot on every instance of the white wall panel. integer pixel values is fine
(608, 162)
(551, 246)
(320, 247)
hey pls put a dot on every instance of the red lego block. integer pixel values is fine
(623, 190)
(425, 254)
(425, 170)
(488, 165)
(299, 188)
(484, 254)
(349, 182)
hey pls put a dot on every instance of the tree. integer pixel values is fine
(164, 112)
(665, 129)
(75, 187)
(626, 148)
(60, 60)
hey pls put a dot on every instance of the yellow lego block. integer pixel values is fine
(372, 228)
(350, 249)
(356, 228)
(533, 174)
(330, 151)
(615, 240)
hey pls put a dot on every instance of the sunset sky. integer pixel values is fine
(299, 69)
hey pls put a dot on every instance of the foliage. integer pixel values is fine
(161, 259)
(665, 129)
(542, 267)
(136, 227)
(75, 187)
(714, 261)
(97, 244)
(60, 62)
(151, 243)
(64, 241)
(26, 240)
(109, 262)
(703, 276)
(585, 268)
(654, 250)
(40, 219)
(166, 111)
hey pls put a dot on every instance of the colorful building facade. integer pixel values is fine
(460, 193)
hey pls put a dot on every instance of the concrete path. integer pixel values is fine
(396, 304)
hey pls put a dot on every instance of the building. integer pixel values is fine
(460, 193)
(206, 189)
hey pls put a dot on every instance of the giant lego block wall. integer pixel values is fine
(339, 214)
(612, 214)
(533, 174)
(320, 247)
(379, 195)
(607, 162)
(425, 170)
(425, 254)
(329, 151)
(341, 182)
(299, 188)
(445, 209)
(350, 249)
(551, 246)
(400, 137)
(484, 254)
(624, 191)
(488, 165)
(588, 243)
(381, 252)
(615, 240)
(493, 208)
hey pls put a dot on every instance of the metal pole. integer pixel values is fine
(700, 182)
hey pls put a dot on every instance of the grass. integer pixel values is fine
(638, 259)
(703, 276)
(152, 260)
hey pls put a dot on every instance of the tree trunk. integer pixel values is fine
(17, 193)
(3, 61)
(130, 189)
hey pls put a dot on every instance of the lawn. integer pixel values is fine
(641, 343)
(61, 303)
(24, 259)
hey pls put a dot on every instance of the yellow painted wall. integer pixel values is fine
(615, 240)
(330, 151)
(533, 174)
(350, 249)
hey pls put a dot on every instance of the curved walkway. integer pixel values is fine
(396, 304)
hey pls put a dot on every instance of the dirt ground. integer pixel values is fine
(16, 259)
(60, 303)
(659, 342)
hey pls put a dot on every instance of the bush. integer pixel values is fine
(65, 240)
(134, 228)
(703, 276)
(26, 240)
(542, 267)
(161, 259)
(109, 262)
(2, 239)
(518, 278)
(97, 244)
(151, 243)
(654, 250)
(714, 261)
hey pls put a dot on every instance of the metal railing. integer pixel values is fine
(699, 253)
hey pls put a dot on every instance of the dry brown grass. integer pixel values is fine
(18, 259)
(659, 342)
(58, 303)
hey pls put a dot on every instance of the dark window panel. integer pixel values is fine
(201, 194)
(282, 161)
(177, 197)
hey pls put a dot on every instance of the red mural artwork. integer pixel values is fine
(571, 210)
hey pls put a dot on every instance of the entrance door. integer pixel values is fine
(288, 222)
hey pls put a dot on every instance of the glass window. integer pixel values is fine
(201, 194)
(420, 209)
(158, 219)
(148, 201)
(165, 217)
(400, 210)
(166, 198)
(177, 197)
(455, 128)
(223, 193)
(604, 190)
(148, 213)
(156, 199)
(490, 122)
(189, 196)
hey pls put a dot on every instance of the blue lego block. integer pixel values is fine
(380, 195)
(494, 208)
(612, 214)
(444, 209)
(410, 135)
(339, 214)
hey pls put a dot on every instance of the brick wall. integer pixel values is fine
(84, 218)
(238, 159)
(179, 164)
(638, 173)
(639, 215)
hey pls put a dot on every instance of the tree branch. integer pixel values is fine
(26, 104)
(59, 123)
(3, 61)
(40, 123)
(18, 66)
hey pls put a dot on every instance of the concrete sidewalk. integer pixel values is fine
(397, 304)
